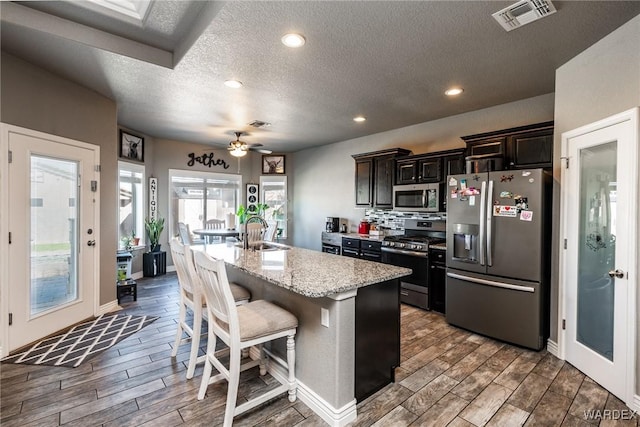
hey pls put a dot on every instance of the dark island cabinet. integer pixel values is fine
(523, 147)
(374, 177)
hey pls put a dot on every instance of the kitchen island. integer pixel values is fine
(348, 338)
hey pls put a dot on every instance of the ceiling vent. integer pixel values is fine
(523, 12)
(259, 124)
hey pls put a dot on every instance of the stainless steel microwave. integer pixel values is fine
(417, 197)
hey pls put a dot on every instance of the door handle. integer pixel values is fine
(617, 273)
(91, 243)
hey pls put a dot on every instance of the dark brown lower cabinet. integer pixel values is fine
(377, 337)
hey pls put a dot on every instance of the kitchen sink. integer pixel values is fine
(265, 246)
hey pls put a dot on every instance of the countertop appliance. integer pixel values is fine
(331, 243)
(498, 254)
(332, 224)
(411, 250)
(363, 227)
(417, 197)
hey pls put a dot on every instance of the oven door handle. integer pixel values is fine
(405, 252)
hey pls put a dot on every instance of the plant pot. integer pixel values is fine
(136, 241)
(156, 248)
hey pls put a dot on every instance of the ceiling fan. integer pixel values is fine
(239, 148)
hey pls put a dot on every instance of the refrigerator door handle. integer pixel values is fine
(489, 218)
(491, 283)
(483, 211)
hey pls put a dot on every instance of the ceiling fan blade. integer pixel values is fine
(262, 150)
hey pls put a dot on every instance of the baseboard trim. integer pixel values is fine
(635, 404)
(108, 308)
(552, 347)
(334, 417)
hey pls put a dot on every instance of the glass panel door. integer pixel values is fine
(596, 248)
(54, 233)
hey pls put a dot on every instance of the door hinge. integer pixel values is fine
(96, 168)
(10, 319)
(10, 156)
(9, 237)
(564, 324)
(94, 186)
(566, 165)
(565, 243)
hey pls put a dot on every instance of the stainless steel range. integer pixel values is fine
(411, 250)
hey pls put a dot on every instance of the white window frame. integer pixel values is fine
(266, 179)
(198, 175)
(140, 229)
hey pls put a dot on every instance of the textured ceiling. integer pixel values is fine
(387, 60)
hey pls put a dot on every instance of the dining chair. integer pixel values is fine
(240, 327)
(184, 233)
(191, 297)
(270, 233)
(254, 232)
(214, 224)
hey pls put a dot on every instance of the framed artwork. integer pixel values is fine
(272, 165)
(131, 146)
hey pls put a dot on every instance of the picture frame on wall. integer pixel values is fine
(272, 164)
(131, 146)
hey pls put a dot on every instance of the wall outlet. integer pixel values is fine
(324, 317)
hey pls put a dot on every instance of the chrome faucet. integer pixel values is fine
(245, 243)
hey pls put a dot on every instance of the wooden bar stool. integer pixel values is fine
(191, 297)
(241, 327)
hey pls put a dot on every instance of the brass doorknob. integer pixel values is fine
(617, 273)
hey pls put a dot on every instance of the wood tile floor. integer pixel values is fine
(448, 377)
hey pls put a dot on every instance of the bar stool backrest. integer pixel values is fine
(217, 292)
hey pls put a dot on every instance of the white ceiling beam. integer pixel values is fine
(43, 22)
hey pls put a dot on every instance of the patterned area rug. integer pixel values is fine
(82, 341)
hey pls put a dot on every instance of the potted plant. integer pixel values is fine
(154, 228)
(243, 213)
(135, 241)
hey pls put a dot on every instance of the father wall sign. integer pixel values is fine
(206, 160)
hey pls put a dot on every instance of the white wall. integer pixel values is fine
(323, 178)
(601, 81)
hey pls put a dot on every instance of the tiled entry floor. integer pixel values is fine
(448, 377)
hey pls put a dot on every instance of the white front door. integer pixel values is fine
(52, 223)
(599, 264)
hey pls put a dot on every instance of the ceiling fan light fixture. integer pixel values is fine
(238, 148)
(293, 40)
(234, 84)
(238, 152)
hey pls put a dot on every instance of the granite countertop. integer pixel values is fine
(378, 238)
(310, 273)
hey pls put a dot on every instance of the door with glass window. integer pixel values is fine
(53, 247)
(599, 270)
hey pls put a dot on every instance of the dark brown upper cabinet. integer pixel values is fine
(374, 177)
(523, 147)
(429, 168)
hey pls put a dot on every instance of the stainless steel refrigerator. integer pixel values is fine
(498, 254)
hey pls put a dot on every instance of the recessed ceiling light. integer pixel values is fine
(359, 119)
(453, 91)
(293, 40)
(233, 84)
